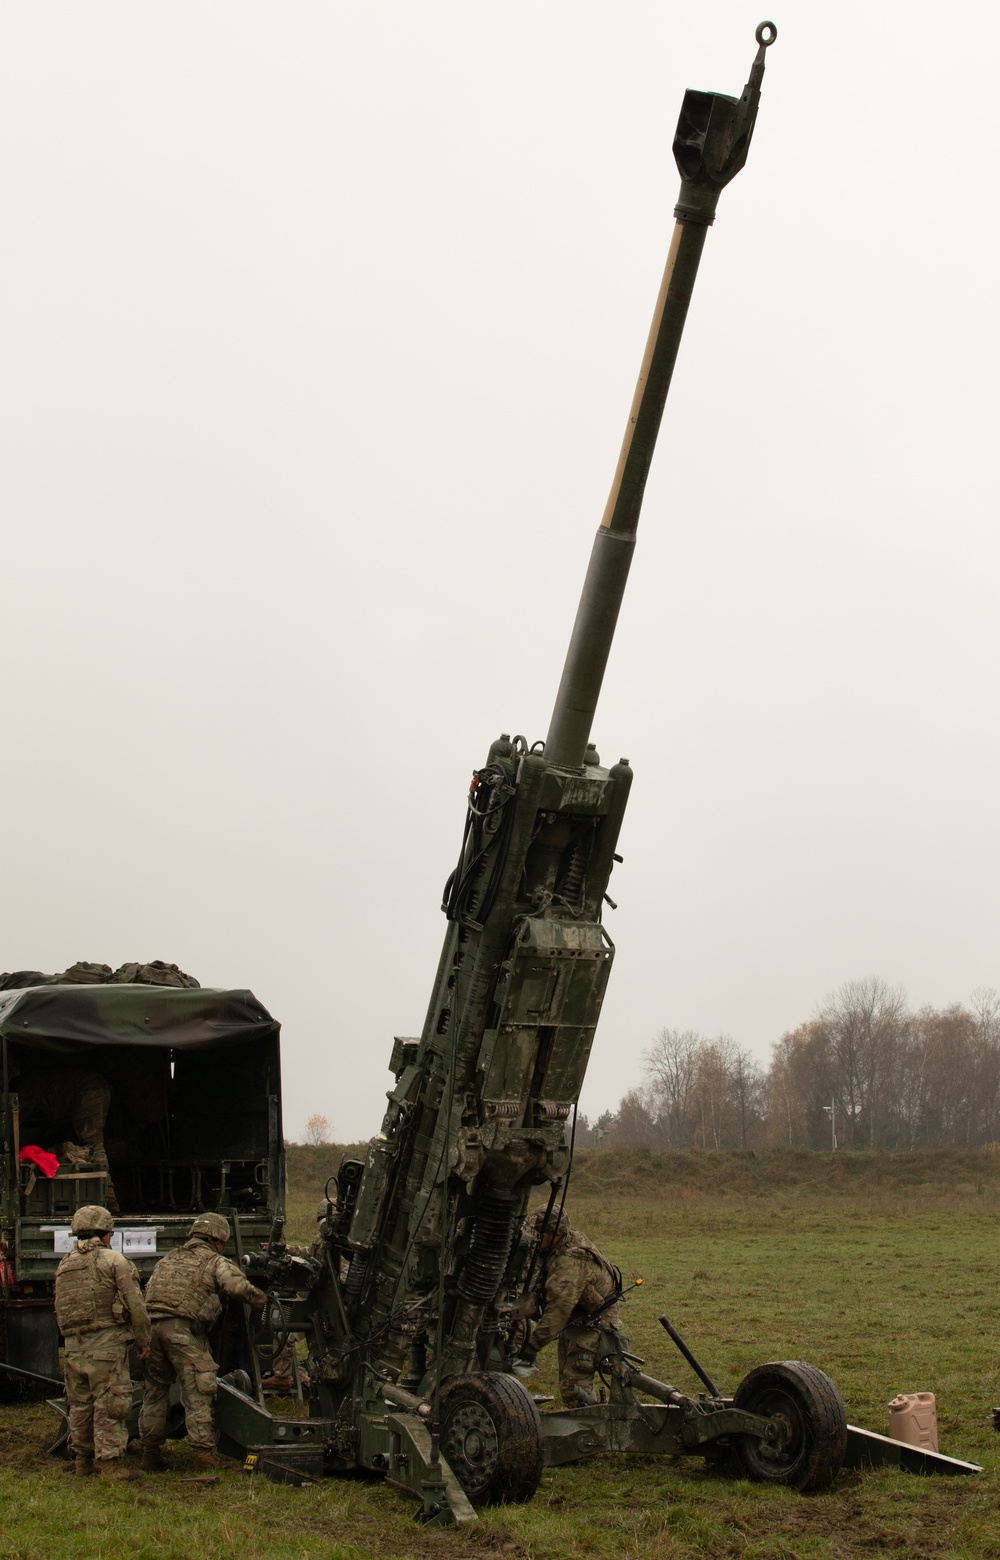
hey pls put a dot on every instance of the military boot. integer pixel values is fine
(207, 1460)
(83, 1465)
(281, 1384)
(115, 1468)
(153, 1460)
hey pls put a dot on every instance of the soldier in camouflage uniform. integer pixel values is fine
(99, 1309)
(184, 1302)
(574, 1276)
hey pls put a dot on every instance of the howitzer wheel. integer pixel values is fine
(811, 1413)
(491, 1438)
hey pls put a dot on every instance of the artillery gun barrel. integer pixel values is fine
(710, 147)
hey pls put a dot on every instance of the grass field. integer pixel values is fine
(879, 1269)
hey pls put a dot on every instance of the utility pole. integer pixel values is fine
(831, 1111)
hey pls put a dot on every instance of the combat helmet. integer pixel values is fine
(212, 1225)
(92, 1220)
(554, 1223)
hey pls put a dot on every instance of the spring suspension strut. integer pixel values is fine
(356, 1274)
(493, 1228)
(570, 885)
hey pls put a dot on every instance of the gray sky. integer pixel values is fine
(320, 324)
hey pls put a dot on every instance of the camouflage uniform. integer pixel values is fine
(575, 1274)
(183, 1300)
(99, 1310)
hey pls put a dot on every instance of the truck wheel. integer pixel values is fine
(809, 1409)
(491, 1437)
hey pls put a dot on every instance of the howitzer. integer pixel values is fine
(410, 1319)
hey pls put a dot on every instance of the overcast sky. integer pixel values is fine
(320, 324)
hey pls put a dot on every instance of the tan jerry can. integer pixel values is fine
(913, 1418)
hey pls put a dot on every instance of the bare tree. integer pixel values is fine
(792, 1086)
(782, 1108)
(746, 1091)
(703, 1092)
(727, 1094)
(866, 1021)
(985, 1005)
(711, 1092)
(896, 1079)
(318, 1129)
(636, 1121)
(986, 1017)
(672, 1063)
(913, 1089)
(943, 1047)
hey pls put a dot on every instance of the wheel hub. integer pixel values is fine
(779, 1437)
(470, 1443)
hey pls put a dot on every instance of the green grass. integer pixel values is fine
(891, 1290)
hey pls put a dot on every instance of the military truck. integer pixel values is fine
(177, 1090)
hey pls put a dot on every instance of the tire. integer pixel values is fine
(29, 1341)
(491, 1438)
(811, 1410)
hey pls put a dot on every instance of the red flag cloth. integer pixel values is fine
(47, 1163)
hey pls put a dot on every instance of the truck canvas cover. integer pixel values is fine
(60, 1018)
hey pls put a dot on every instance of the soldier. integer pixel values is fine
(100, 1311)
(575, 1277)
(183, 1300)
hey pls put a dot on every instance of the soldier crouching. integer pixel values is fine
(576, 1278)
(99, 1309)
(183, 1297)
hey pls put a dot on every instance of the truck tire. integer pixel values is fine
(811, 1411)
(491, 1438)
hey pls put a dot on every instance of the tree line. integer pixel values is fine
(866, 1070)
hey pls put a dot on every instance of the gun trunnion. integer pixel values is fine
(409, 1306)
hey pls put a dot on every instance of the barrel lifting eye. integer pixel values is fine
(766, 34)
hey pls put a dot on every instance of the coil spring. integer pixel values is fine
(571, 885)
(356, 1274)
(492, 1237)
